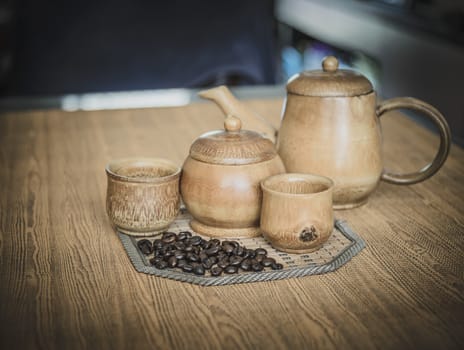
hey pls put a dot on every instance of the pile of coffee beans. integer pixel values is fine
(194, 254)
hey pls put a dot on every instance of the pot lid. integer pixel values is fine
(232, 146)
(329, 82)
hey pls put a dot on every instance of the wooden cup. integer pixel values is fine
(296, 213)
(142, 195)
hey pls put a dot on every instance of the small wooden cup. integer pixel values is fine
(297, 214)
(143, 194)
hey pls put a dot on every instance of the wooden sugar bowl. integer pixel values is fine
(220, 182)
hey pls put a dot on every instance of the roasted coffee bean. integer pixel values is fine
(260, 257)
(203, 256)
(257, 267)
(161, 264)
(158, 244)
(184, 235)
(223, 263)
(261, 251)
(213, 250)
(204, 243)
(196, 250)
(145, 246)
(179, 245)
(238, 250)
(187, 268)
(231, 269)
(193, 257)
(179, 254)
(277, 266)
(251, 253)
(235, 260)
(234, 244)
(228, 248)
(208, 263)
(195, 240)
(168, 237)
(216, 271)
(168, 254)
(188, 248)
(215, 241)
(181, 263)
(214, 259)
(267, 262)
(221, 255)
(199, 270)
(245, 265)
(172, 261)
(156, 259)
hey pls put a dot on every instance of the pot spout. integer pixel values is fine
(230, 105)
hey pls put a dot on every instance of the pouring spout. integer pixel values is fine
(230, 105)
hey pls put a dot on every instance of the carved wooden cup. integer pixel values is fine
(143, 194)
(297, 214)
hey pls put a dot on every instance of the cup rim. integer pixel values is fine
(325, 180)
(141, 160)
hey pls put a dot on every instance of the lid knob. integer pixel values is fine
(232, 123)
(330, 64)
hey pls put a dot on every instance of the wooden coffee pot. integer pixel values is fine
(220, 181)
(330, 127)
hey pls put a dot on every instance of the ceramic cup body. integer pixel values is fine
(142, 194)
(296, 213)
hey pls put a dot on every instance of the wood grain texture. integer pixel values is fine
(65, 281)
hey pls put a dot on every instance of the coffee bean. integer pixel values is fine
(187, 268)
(251, 253)
(208, 263)
(172, 261)
(203, 256)
(228, 248)
(193, 257)
(179, 245)
(261, 251)
(158, 244)
(145, 246)
(277, 266)
(213, 250)
(179, 254)
(204, 243)
(188, 247)
(235, 260)
(161, 265)
(260, 257)
(216, 271)
(231, 269)
(195, 240)
(238, 250)
(234, 244)
(199, 270)
(267, 262)
(184, 235)
(168, 237)
(214, 259)
(257, 267)
(245, 265)
(223, 263)
(155, 260)
(168, 253)
(181, 263)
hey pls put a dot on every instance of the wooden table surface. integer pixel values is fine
(66, 282)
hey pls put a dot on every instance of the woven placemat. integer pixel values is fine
(341, 246)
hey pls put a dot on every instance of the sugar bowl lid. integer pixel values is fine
(329, 82)
(232, 146)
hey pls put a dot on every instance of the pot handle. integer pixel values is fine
(445, 139)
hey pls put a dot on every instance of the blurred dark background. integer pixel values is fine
(406, 47)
